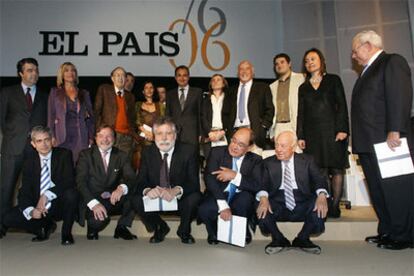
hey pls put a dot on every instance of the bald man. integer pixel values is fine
(232, 178)
(249, 104)
(294, 190)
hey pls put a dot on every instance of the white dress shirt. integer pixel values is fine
(32, 90)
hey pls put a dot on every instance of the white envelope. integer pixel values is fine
(232, 231)
(394, 163)
(158, 204)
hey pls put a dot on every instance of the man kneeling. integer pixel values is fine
(294, 191)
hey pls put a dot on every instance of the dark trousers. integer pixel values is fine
(391, 199)
(122, 207)
(187, 210)
(303, 212)
(62, 208)
(240, 205)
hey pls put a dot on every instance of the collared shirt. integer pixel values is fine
(247, 87)
(119, 90)
(186, 88)
(32, 90)
(371, 60)
(217, 106)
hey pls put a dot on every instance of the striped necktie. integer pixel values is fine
(45, 180)
(242, 113)
(287, 182)
(232, 188)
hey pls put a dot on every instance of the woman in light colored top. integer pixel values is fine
(213, 134)
(70, 114)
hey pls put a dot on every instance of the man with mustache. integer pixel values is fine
(169, 170)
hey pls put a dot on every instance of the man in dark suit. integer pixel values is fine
(48, 191)
(183, 105)
(233, 177)
(104, 177)
(169, 170)
(22, 107)
(294, 190)
(380, 111)
(115, 106)
(249, 105)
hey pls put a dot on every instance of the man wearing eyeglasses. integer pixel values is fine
(232, 177)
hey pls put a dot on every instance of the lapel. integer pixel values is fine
(155, 163)
(369, 71)
(99, 162)
(112, 162)
(297, 161)
(111, 97)
(37, 98)
(251, 98)
(21, 97)
(60, 94)
(190, 95)
(209, 110)
(227, 160)
(36, 171)
(175, 161)
(53, 164)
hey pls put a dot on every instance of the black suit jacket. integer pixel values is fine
(251, 171)
(187, 120)
(62, 175)
(16, 120)
(381, 102)
(307, 176)
(91, 178)
(207, 115)
(183, 169)
(260, 108)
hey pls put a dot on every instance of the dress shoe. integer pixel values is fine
(248, 237)
(394, 245)
(277, 246)
(186, 238)
(123, 233)
(45, 232)
(67, 239)
(212, 239)
(334, 212)
(306, 245)
(160, 233)
(92, 235)
(378, 238)
(3, 231)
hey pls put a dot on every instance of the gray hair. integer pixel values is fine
(369, 36)
(40, 129)
(164, 121)
(292, 134)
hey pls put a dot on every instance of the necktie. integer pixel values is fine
(182, 98)
(104, 154)
(289, 197)
(164, 181)
(242, 114)
(45, 180)
(29, 99)
(232, 187)
(119, 94)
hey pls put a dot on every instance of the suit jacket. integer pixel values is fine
(106, 108)
(62, 175)
(260, 109)
(183, 170)
(91, 178)
(16, 119)
(57, 115)
(187, 120)
(296, 80)
(251, 171)
(207, 116)
(307, 176)
(381, 102)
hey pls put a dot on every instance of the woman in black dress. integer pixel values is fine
(323, 125)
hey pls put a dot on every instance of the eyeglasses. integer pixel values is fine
(237, 143)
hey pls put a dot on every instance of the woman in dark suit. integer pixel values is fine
(323, 125)
(213, 134)
(70, 113)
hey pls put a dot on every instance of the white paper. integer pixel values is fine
(232, 231)
(158, 204)
(147, 128)
(394, 163)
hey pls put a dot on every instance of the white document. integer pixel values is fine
(394, 163)
(158, 204)
(232, 231)
(147, 128)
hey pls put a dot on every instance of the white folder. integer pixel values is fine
(394, 163)
(158, 204)
(232, 231)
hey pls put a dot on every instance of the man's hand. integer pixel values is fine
(41, 204)
(169, 194)
(263, 208)
(225, 174)
(37, 214)
(116, 195)
(340, 136)
(225, 214)
(99, 212)
(302, 144)
(321, 206)
(154, 193)
(393, 140)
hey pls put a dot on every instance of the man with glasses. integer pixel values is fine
(232, 178)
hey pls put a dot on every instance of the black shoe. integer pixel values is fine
(378, 238)
(334, 212)
(123, 233)
(91, 235)
(394, 245)
(277, 246)
(160, 232)
(3, 231)
(306, 245)
(212, 239)
(67, 239)
(248, 237)
(186, 238)
(45, 232)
